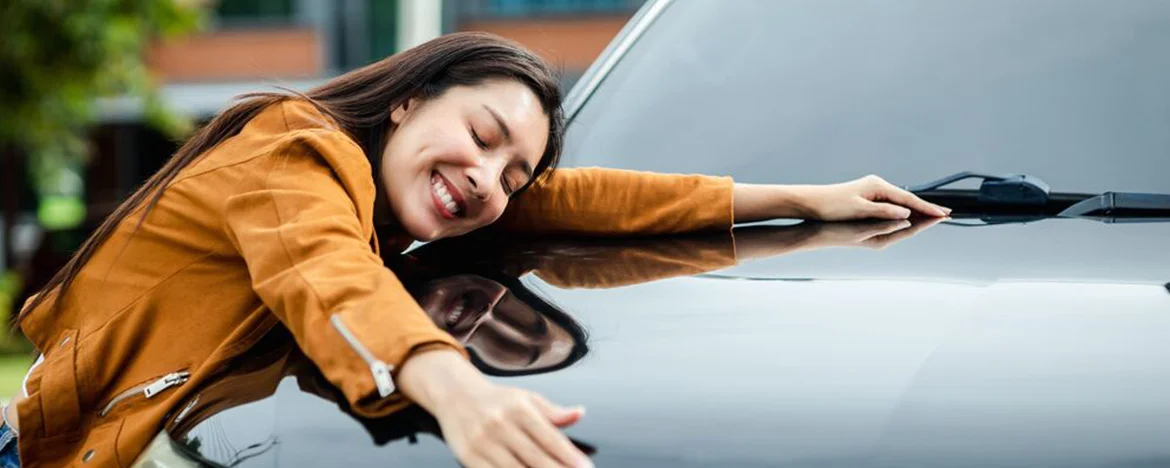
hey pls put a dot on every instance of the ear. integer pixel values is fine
(402, 111)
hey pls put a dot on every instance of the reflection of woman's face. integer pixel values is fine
(506, 333)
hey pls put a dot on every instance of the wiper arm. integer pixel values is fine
(1013, 189)
(1027, 197)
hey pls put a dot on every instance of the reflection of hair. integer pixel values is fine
(415, 276)
(361, 102)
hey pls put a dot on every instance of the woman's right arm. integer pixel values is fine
(295, 221)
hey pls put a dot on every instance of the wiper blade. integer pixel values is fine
(1120, 204)
(1015, 198)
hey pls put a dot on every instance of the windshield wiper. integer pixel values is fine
(1121, 207)
(1022, 194)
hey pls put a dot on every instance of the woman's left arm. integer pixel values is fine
(867, 197)
(598, 201)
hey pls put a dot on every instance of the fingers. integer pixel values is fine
(882, 210)
(897, 195)
(540, 427)
(499, 426)
(520, 441)
(882, 241)
(885, 227)
(496, 456)
(561, 417)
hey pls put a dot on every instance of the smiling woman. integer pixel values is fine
(275, 214)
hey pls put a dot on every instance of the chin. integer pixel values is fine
(423, 232)
(418, 227)
(423, 227)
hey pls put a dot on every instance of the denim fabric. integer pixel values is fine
(9, 454)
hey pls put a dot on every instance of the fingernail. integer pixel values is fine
(585, 463)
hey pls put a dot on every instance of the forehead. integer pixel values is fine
(515, 104)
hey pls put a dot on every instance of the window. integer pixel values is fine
(522, 8)
(254, 11)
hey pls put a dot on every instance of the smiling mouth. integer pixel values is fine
(455, 314)
(447, 199)
(465, 309)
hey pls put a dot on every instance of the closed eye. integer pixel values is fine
(475, 137)
(508, 190)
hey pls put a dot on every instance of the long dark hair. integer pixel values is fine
(360, 101)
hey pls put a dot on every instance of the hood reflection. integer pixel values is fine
(508, 330)
(472, 288)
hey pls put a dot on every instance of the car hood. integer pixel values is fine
(1038, 344)
(1050, 250)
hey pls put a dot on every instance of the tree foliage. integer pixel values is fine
(58, 56)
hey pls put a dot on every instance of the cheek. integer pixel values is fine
(447, 148)
(423, 147)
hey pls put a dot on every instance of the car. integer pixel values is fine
(1028, 330)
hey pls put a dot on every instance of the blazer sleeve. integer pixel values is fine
(643, 262)
(311, 262)
(614, 202)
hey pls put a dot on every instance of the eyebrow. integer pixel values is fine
(524, 166)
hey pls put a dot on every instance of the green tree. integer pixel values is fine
(56, 58)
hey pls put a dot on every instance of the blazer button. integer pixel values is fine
(88, 456)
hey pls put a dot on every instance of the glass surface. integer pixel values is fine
(236, 9)
(383, 28)
(814, 91)
(541, 7)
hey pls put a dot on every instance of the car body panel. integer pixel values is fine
(836, 357)
(1007, 345)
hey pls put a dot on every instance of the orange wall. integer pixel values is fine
(238, 54)
(570, 43)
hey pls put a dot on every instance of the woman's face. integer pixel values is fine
(505, 332)
(451, 162)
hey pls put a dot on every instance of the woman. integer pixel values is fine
(267, 216)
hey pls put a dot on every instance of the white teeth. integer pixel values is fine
(444, 195)
(454, 315)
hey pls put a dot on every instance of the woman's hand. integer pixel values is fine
(505, 426)
(489, 425)
(867, 197)
(870, 235)
(754, 242)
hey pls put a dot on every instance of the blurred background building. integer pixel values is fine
(252, 45)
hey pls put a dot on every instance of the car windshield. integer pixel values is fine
(813, 91)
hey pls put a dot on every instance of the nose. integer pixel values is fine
(478, 188)
(480, 179)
